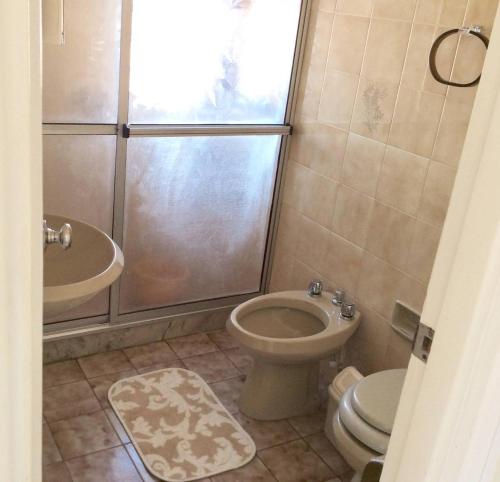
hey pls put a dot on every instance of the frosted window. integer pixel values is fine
(80, 76)
(196, 218)
(211, 61)
(78, 182)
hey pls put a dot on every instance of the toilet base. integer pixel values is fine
(274, 392)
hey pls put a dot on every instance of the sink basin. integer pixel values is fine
(74, 276)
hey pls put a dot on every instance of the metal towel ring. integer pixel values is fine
(474, 30)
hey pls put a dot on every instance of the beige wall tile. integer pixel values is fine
(390, 235)
(368, 346)
(481, 12)
(416, 121)
(312, 243)
(452, 131)
(319, 147)
(374, 109)
(281, 274)
(453, 12)
(352, 216)
(467, 67)
(437, 192)
(362, 162)
(398, 10)
(342, 262)
(412, 292)
(355, 7)
(398, 352)
(386, 50)
(327, 5)
(428, 11)
(423, 251)
(314, 64)
(445, 58)
(310, 193)
(402, 180)
(348, 43)
(379, 285)
(302, 274)
(337, 98)
(286, 237)
(417, 59)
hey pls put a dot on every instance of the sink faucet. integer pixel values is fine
(315, 288)
(61, 237)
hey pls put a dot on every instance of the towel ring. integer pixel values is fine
(474, 30)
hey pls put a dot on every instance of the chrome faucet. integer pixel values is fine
(315, 288)
(61, 237)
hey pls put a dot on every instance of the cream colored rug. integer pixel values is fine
(178, 426)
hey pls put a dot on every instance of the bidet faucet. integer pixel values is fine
(61, 237)
(315, 288)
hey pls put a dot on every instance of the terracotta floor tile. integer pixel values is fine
(310, 423)
(177, 363)
(117, 425)
(50, 452)
(153, 353)
(192, 345)
(146, 476)
(83, 435)
(255, 471)
(243, 361)
(267, 434)
(112, 465)
(295, 462)
(223, 339)
(56, 473)
(62, 372)
(212, 367)
(101, 385)
(104, 363)
(228, 392)
(323, 447)
(69, 400)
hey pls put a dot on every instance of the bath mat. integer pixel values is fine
(178, 426)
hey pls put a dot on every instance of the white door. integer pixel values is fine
(448, 423)
(20, 242)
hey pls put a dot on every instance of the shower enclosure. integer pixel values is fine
(165, 125)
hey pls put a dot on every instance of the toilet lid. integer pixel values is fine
(368, 435)
(376, 398)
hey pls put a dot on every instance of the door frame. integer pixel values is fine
(448, 423)
(21, 273)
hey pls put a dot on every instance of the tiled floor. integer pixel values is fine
(83, 440)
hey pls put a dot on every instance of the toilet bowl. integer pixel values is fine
(361, 426)
(287, 333)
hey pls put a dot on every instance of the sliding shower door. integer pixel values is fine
(167, 120)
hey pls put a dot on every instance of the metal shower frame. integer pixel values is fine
(122, 130)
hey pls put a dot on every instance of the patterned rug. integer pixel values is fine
(178, 426)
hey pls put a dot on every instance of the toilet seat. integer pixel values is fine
(367, 434)
(375, 398)
(368, 408)
(354, 452)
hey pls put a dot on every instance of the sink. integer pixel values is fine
(72, 277)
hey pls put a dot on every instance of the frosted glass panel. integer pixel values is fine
(211, 61)
(196, 218)
(80, 75)
(78, 182)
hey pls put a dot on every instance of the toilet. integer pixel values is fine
(359, 423)
(287, 333)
